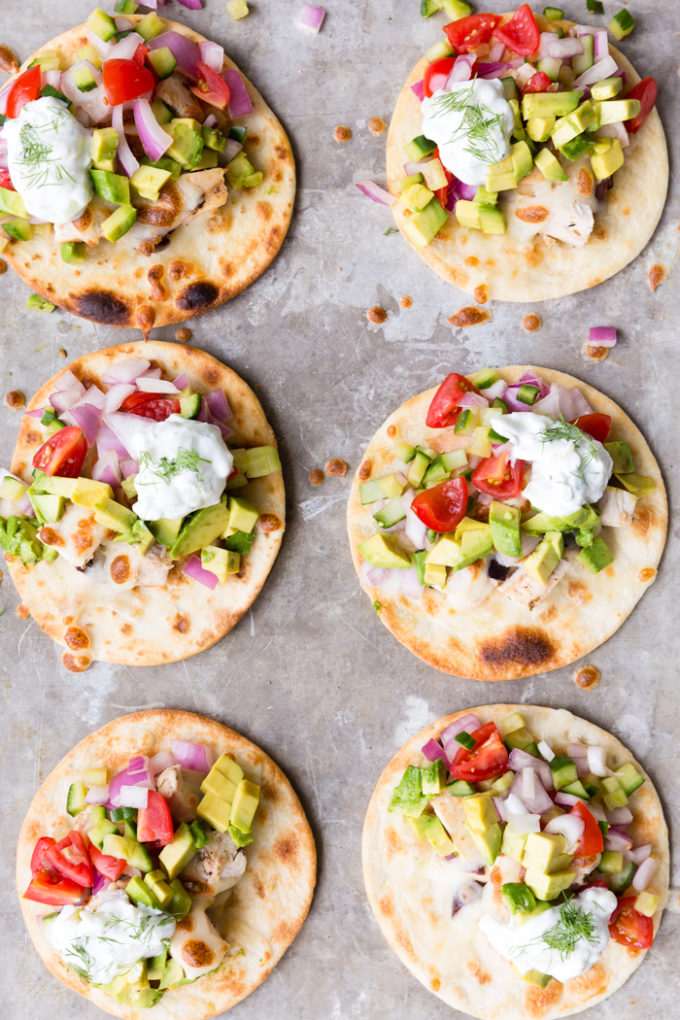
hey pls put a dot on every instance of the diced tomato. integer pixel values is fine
(6, 180)
(444, 410)
(443, 193)
(466, 34)
(539, 82)
(488, 758)
(646, 91)
(629, 927)
(498, 477)
(150, 405)
(520, 34)
(70, 859)
(211, 87)
(591, 842)
(596, 425)
(437, 74)
(442, 507)
(39, 850)
(125, 80)
(140, 53)
(154, 822)
(45, 887)
(63, 453)
(25, 89)
(109, 867)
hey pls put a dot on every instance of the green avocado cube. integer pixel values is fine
(416, 197)
(545, 851)
(148, 181)
(220, 785)
(445, 552)
(474, 545)
(577, 147)
(437, 836)
(596, 556)
(501, 176)
(12, 489)
(639, 485)
(244, 805)
(48, 508)
(434, 778)
(114, 515)
(433, 173)
(405, 182)
(73, 252)
(209, 160)
(522, 160)
(200, 529)
(613, 793)
(111, 187)
(242, 514)
(607, 158)
(535, 977)
(180, 904)
(434, 574)
(383, 551)
(187, 141)
(542, 561)
(118, 223)
(622, 457)
(608, 88)
(629, 778)
(215, 811)
(513, 843)
(492, 220)
(140, 892)
(176, 855)
(488, 841)
(214, 139)
(617, 110)
(467, 214)
(128, 849)
(423, 226)
(103, 148)
(239, 170)
(166, 529)
(407, 797)
(549, 104)
(480, 813)
(540, 129)
(504, 521)
(220, 562)
(518, 897)
(257, 461)
(159, 888)
(11, 202)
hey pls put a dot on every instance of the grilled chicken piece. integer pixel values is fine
(196, 944)
(178, 97)
(88, 226)
(182, 790)
(217, 866)
(449, 810)
(469, 587)
(523, 588)
(574, 225)
(505, 869)
(76, 536)
(178, 203)
(617, 507)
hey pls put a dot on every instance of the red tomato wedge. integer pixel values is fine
(48, 888)
(39, 850)
(25, 89)
(467, 34)
(591, 842)
(140, 53)
(520, 34)
(629, 927)
(539, 82)
(70, 859)
(6, 180)
(444, 410)
(63, 453)
(109, 867)
(488, 758)
(596, 425)
(211, 87)
(154, 822)
(437, 74)
(497, 477)
(125, 80)
(442, 507)
(151, 405)
(646, 91)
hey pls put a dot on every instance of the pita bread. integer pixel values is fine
(449, 955)
(501, 639)
(268, 905)
(207, 261)
(508, 266)
(151, 625)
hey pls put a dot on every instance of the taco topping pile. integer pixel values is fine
(518, 125)
(128, 142)
(158, 841)
(511, 495)
(134, 480)
(538, 838)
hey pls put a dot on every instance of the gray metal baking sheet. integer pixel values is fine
(310, 673)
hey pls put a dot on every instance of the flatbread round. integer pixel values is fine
(206, 262)
(450, 955)
(501, 639)
(268, 905)
(151, 625)
(512, 269)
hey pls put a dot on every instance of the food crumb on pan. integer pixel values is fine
(183, 335)
(531, 323)
(481, 295)
(406, 301)
(646, 574)
(316, 476)
(336, 468)
(468, 316)
(8, 61)
(62, 352)
(23, 612)
(342, 133)
(376, 315)
(587, 677)
(3, 266)
(15, 399)
(595, 353)
(376, 125)
(657, 275)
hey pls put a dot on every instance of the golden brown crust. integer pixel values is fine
(271, 900)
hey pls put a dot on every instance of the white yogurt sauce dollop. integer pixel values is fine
(566, 472)
(183, 466)
(471, 124)
(48, 157)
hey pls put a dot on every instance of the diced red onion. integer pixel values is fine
(123, 25)
(108, 440)
(99, 882)
(461, 70)
(181, 381)
(218, 405)
(125, 427)
(155, 140)
(465, 191)
(95, 40)
(392, 580)
(137, 773)
(126, 158)
(602, 336)
(133, 796)
(193, 569)
(471, 399)
(597, 761)
(68, 382)
(617, 840)
(433, 750)
(150, 373)
(145, 384)
(546, 750)
(52, 77)
(570, 826)
(190, 755)
(639, 853)
(600, 44)
(97, 795)
(107, 468)
(36, 413)
(62, 400)
(519, 759)
(126, 47)
(186, 53)
(161, 761)
(567, 799)
(604, 68)
(93, 395)
(620, 816)
(191, 5)
(115, 396)
(212, 54)
(496, 50)
(495, 390)
(415, 530)
(311, 18)
(532, 792)
(616, 130)
(467, 893)
(582, 767)
(497, 69)
(239, 100)
(125, 371)
(375, 192)
(561, 402)
(231, 149)
(561, 49)
(128, 467)
(597, 811)
(3, 152)
(644, 874)
(86, 417)
(577, 750)
(413, 167)
(417, 90)
(466, 724)
(91, 103)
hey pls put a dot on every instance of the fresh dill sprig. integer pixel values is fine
(139, 930)
(477, 124)
(37, 153)
(574, 924)
(168, 468)
(585, 444)
(80, 953)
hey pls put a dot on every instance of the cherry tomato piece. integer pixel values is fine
(125, 80)
(110, 867)
(520, 34)
(154, 822)
(596, 425)
(437, 74)
(25, 89)
(539, 82)
(63, 453)
(442, 507)
(467, 34)
(591, 842)
(151, 405)
(498, 477)
(140, 53)
(646, 91)
(488, 758)
(444, 410)
(70, 859)
(6, 180)
(629, 927)
(46, 887)
(211, 87)
(39, 851)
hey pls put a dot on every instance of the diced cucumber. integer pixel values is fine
(391, 513)
(527, 393)
(457, 9)
(190, 406)
(101, 24)
(257, 461)
(430, 7)
(622, 24)
(553, 13)
(370, 492)
(419, 147)
(563, 771)
(75, 798)
(162, 61)
(620, 880)
(82, 77)
(419, 466)
(582, 61)
(595, 6)
(611, 862)
(438, 51)
(577, 789)
(460, 788)
(435, 474)
(150, 26)
(629, 778)
(613, 794)
(405, 452)
(454, 459)
(487, 377)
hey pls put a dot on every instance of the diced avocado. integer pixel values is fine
(405, 182)
(540, 129)
(434, 778)
(12, 489)
(606, 159)
(545, 851)
(433, 574)
(608, 88)
(501, 176)
(215, 811)
(488, 842)
(209, 159)
(139, 892)
(213, 139)
(176, 855)
(383, 551)
(88, 493)
(492, 220)
(419, 466)
(433, 173)
(467, 214)
(75, 798)
(163, 115)
(474, 545)
(421, 227)
(49, 60)
(549, 104)
(514, 843)
(72, 252)
(118, 223)
(190, 405)
(459, 788)
(419, 147)
(622, 24)
(156, 966)
(200, 833)
(229, 768)
(577, 147)
(156, 882)
(548, 887)
(243, 516)
(239, 170)
(244, 805)
(613, 793)
(620, 453)
(480, 813)
(220, 785)
(504, 521)
(545, 557)
(436, 835)
(111, 187)
(200, 529)
(174, 973)
(101, 24)
(639, 485)
(128, 849)
(150, 26)
(550, 166)
(629, 778)
(114, 515)
(519, 897)
(11, 202)
(180, 904)
(220, 562)
(416, 197)
(162, 61)
(445, 552)
(647, 904)
(512, 722)
(407, 797)
(166, 530)
(536, 977)
(148, 181)
(617, 110)
(187, 141)
(563, 771)
(103, 148)
(596, 556)
(522, 160)
(258, 461)
(420, 825)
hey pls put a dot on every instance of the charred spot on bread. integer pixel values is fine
(197, 953)
(197, 296)
(526, 646)
(102, 306)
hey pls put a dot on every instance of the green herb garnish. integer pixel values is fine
(574, 924)
(37, 153)
(390, 230)
(477, 124)
(167, 468)
(587, 447)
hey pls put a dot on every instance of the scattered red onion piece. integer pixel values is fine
(617, 840)
(191, 755)
(107, 468)
(392, 581)
(496, 50)
(471, 399)
(99, 882)
(311, 18)
(108, 440)
(620, 816)
(186, 53)
(239, 100)
(161, 761)
(137, 773)
(97, 795)
(605, 68)
(212, 54)
(125, 371)
(133, 796)
(191, 5)
(461, 70)
(434, 750)
(129, 467)
(95, 40)
(115, 396)
(218, 405)
(417, 90)
(125, 426)
(559, 49)
(546, 750)
(567, 799)
(126, 157)
(466, 724)
(147, 384)
(181, 381)
(602, 336)
(519, 759)
(52, 78)
(126, 48)
(193, 569)
(86, 417)
(155, 140)
(375, 192)
(639, 853)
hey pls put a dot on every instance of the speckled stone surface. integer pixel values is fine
(310, 673)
